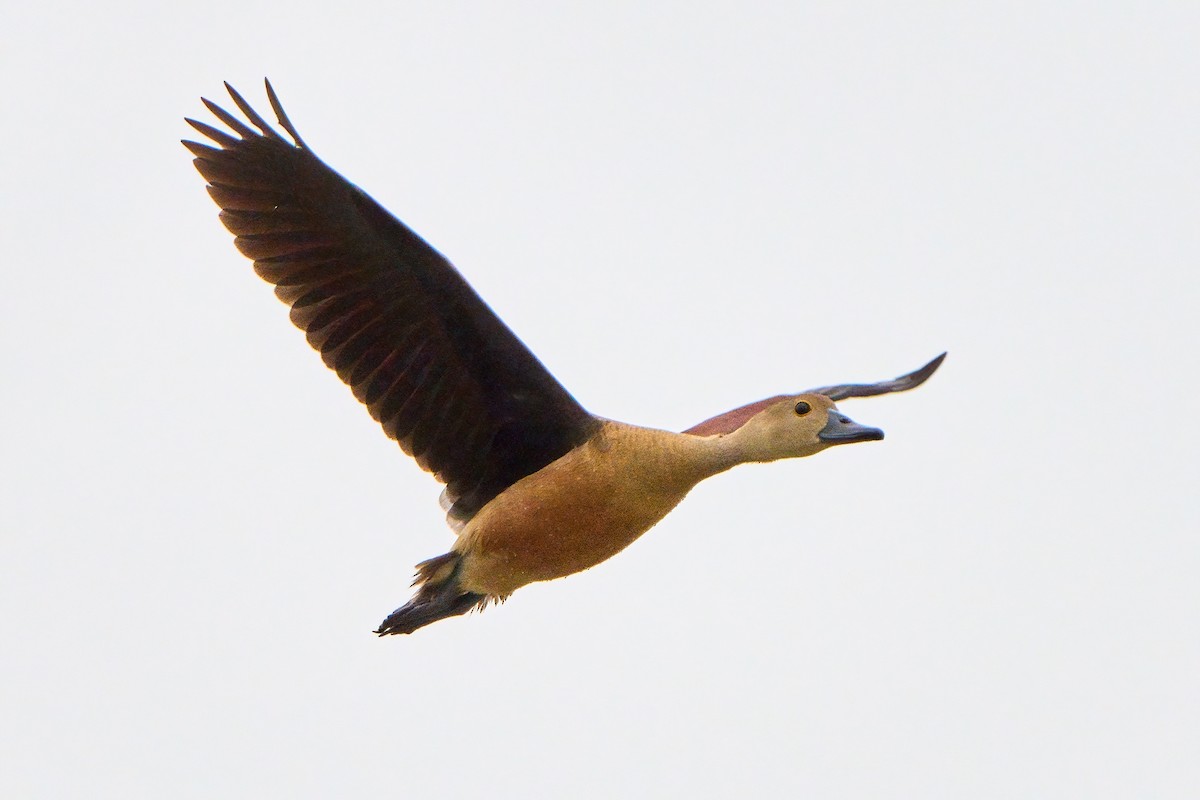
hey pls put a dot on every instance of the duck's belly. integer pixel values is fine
(570, 516)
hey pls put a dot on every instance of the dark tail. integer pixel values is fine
(437, 597)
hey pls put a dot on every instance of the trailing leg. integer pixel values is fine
(438, 597)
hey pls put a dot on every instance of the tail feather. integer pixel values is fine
(437, 597)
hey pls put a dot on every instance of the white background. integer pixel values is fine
(680, 210)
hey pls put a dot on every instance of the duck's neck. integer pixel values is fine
(719, 452)
(711, 455)
(680, 460)
(650, 454)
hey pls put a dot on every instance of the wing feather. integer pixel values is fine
(902, 384)
(439, 371)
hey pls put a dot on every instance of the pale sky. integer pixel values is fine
(680, 211)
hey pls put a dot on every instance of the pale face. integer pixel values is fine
(800, 425)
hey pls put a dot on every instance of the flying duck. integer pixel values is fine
(536, 487)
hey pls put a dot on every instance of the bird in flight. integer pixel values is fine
(536, 487)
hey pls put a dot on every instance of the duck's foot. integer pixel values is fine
(438, 596)
(421, 611)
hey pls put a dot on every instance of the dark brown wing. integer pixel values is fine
(433, 364)
(902, 384)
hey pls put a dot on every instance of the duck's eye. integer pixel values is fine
(803, 408)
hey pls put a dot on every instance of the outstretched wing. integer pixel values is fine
(433, 364)
(902, 384)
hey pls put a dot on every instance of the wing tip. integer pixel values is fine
(903, 383)
(281, 115)
(919, 376)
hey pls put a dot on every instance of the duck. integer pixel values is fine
(535, 487)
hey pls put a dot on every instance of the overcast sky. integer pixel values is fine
(680, 211)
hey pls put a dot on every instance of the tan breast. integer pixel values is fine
(582, 509)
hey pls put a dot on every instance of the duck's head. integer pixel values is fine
(800, 425)
(788, 426)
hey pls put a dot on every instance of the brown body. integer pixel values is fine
(584, 508)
